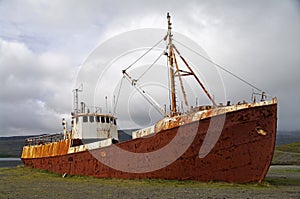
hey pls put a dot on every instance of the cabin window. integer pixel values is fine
(115, 123)
(85, 118)
(97, 119)
(102, 119)
(91, 118)
(107, 119)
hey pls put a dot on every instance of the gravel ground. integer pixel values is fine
(22, 182)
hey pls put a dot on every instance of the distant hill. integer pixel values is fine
(11, 146)
(285, 137)
(125, 134)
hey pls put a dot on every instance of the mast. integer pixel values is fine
(171, 65)
(172, 58)
(197, 79)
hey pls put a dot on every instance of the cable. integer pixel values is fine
(119, 91)
(217, 65)
(143, 54)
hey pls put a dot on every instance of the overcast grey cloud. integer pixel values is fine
(43, 44)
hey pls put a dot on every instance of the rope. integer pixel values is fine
(219, 66)
(144, 54)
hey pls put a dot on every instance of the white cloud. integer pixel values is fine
(35, 88)
(42, 43)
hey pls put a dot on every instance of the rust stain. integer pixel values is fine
(237, 156)
(46, 150)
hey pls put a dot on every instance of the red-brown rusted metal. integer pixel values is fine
(171, 68)
(197, 79)
(242, 154)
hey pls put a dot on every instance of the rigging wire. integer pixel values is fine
(144, 54)
(118, 95)
(219, 66)
(150, 66)
(141, 91)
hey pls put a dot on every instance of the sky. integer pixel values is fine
(43, 45)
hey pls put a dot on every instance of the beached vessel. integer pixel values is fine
(233, 143)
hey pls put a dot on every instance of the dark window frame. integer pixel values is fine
(98, 119)
(84, 118)
(91, 118)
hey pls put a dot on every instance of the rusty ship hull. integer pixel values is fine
(241, 154)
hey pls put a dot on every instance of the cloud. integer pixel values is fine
(35, 88)
(43, 43)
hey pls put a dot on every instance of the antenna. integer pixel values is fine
(75, 102)
(106, 104)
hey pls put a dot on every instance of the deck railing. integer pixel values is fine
(47, 138)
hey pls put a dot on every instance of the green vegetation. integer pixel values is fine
(291, 148)
(287, 154)
(283, 182)
(22, 173)
(23, 182)
(284, 177)
(286, 170)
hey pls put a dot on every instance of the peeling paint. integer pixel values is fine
(236, 157)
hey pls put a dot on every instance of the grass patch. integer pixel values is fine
(292, 147)
(287, 154)
(30, 175)
(162, 183)
(285, 170)
(282, 181)
(23, 182)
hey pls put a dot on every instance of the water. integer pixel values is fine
(10, 162)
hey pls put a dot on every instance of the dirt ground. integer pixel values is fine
(20, 182)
